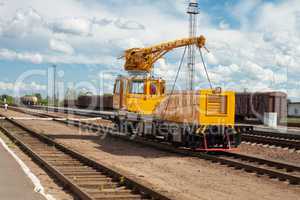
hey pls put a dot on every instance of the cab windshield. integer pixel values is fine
(137, 87)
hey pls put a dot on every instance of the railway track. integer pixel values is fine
(81, 176)
(291, 141)
(262, 167)
(273, 169)
(277, 135)
(80, 112)
(288, 140)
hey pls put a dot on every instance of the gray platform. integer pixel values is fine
(14, 184)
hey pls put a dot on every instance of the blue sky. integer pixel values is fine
(254, 45)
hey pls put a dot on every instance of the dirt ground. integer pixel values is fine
(270, 152)
(182, 177)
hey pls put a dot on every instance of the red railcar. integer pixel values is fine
(254, 105)
(71, 103)
(95, 102)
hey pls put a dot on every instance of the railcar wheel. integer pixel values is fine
(194, 141)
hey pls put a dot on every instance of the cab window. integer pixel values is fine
(125, 87)
(137, 87)
(117, 87)
(153, 88)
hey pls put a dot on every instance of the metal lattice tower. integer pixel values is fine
(192, 11)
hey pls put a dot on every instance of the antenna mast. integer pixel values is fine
(192, 11)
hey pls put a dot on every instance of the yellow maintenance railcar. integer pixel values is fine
(202, 119)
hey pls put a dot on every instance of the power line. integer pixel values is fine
(173, 86)
(205, 68)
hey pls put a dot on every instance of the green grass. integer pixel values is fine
(291, 120)
(8, 142)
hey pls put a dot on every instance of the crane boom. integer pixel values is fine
(142, 59)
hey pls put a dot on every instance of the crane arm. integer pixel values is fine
(142, 59)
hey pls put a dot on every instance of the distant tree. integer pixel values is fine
(39, 96)
(9, 99)
(44, 102)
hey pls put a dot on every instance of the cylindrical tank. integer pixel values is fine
(29, 100)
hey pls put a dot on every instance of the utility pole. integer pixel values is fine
(54, 85)
(192, 11)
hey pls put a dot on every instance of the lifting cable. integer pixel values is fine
(204, 66)
(173, 86)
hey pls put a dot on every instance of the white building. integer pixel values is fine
(294, 109)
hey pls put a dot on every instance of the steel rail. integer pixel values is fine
(291, 141)
(288, 136)
(136, 190)
(81, 112)
(238, 161)
(287, 167)
(282, 142)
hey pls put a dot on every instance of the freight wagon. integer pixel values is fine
(95, 102)
(70, 103)
(254, 105)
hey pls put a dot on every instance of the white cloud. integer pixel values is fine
(285, 60)
(74, 26)
(37, 58)
(281, 12)
(259, 53)
(6, 86)
(224, 25)
(211, 59)
(80, 59)
(28, 20)
(294, 93)
(165, 69)
(61, 46)
(106, 76)
(253, 70)
(243, 9)
(33, 86)
(7, 54)
(126, 43)
(23, 23)
(102, 22)
(264, 54)
(129, 24)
